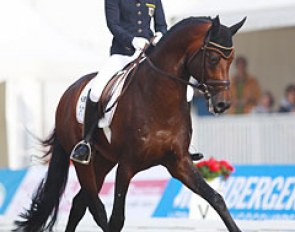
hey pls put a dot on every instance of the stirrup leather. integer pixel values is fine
(83, 142)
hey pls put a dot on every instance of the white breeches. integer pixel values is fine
(112, 65)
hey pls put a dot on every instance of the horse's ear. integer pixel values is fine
(215, 25)
(236, 27)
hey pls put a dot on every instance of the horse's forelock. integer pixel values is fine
(223, 37)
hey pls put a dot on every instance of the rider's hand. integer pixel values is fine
(158, 36)
(139, 43)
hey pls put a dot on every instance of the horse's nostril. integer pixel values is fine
(221, 105)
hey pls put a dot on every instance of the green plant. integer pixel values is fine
(213, 168)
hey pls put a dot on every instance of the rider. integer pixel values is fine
(129, 22)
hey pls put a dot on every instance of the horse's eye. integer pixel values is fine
(214, 59)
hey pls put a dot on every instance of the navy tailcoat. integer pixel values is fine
(127, 19)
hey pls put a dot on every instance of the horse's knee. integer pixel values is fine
(218, 202)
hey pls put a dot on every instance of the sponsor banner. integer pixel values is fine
(144, 194)
(253, 192)
(9, 183)
(175, 201)
(261, 192)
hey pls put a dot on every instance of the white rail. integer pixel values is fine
(247, 139)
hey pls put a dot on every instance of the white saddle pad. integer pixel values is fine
(107, 119)
(116, 91)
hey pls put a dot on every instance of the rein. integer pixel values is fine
(204, 84)
(165, 74)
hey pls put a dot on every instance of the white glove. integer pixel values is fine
(139, 43)
(158, 36)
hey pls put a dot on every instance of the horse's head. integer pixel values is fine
(210, 64)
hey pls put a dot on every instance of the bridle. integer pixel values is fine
(203, 84)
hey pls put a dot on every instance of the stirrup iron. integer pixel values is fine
(83, 142)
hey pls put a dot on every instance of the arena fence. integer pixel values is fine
(247, 139)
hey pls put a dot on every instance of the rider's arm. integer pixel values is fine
(159, 18)
(112, 10)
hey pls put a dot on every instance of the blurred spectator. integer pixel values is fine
(265, 104)
(288, 103)
(245, 90)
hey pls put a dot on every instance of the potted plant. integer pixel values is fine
(213, 171)
(212, 168)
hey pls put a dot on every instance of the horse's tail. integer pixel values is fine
(46, 199)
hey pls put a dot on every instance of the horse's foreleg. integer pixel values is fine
(123, 178)
(185, 171)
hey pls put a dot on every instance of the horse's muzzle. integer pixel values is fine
(221, 106)
(220, 102)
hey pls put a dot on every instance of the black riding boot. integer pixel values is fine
(197, 156)
(82, 151)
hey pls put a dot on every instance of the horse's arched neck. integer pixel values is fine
(173, 52)
(170, 56)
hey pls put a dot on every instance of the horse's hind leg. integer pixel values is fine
(184, 170)
(123, 177)
(97, 209)
(80, 203)
(91, 178)
(78, 210)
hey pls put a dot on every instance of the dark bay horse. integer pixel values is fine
(152, 126)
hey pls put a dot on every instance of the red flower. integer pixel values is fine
(227, 165)
(201, 163)
(213, 168)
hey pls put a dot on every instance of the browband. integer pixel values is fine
(225, 52)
